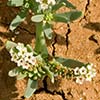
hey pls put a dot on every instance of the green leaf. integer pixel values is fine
(40, 45)
(67, 16)
(37, 18)
(18, 19)
(10, 44)
(69, 62)
(68, 4)
(31, 88)
(48, 31)
(49, 73)
(62, 17)
(15, 3)
(62, 3)
(14, 72)
(21, 76)
(57, 6)
(29, 48)
(39, 58)
(75, 15)
(34, 6)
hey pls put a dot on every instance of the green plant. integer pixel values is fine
(36, 64)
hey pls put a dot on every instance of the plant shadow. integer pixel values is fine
(57, 39)
(97, 51)
(93, 26)
(8, 89)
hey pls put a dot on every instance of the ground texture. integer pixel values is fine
(80, 40)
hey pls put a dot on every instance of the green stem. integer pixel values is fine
(40, 46)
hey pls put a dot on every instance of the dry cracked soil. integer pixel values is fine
(79, 40)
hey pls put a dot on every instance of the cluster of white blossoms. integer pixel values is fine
(22, 56)
(85, 73)
(44, 4)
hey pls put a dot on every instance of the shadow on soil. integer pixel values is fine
(97, 51)
(7, 84)
(93, 26)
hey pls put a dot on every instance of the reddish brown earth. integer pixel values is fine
(80, 40)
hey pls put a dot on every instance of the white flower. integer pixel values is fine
(19, 62)
(20, 46)
(83, 70)
(80, 79)
(88, 76)
(53, 2)
(89, 66)
(33, 60)
(93, 72)
(22, 52)
(14, 57)
(22, 63)
(76, 71)
(25, 65)
(28, 56)
(44, 4)
(38, 1)
(22, 57)
(11, 52)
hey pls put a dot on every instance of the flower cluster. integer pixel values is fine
(22, 56)
(85, 73)
(26, 59)
(57, 68)
(44, 4)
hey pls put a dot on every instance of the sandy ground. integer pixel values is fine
(80, 40)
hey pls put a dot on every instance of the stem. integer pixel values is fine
(40, 46)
